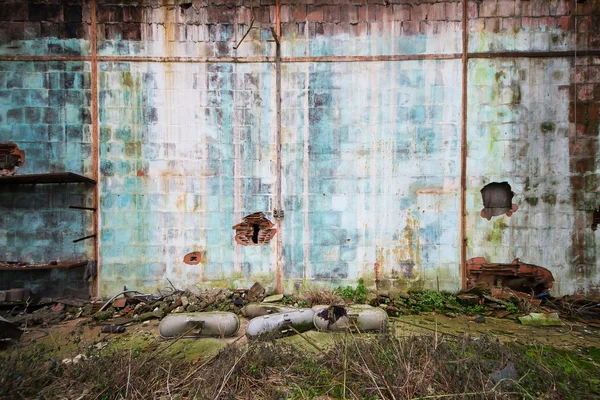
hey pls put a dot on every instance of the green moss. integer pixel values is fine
(549, 198)
(495, 235)
(547, 127)
(532, 201)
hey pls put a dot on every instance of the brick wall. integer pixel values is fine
(371, 148)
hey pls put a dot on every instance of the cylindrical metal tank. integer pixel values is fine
(340, 318)
(199, 324)
(254, 310)
(301, 320)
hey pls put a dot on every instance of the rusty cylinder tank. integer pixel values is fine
(280, 324)
(199, 324)
(363, 318)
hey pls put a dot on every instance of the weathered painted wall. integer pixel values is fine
(534, 123)
(371, 160)
(45, 110)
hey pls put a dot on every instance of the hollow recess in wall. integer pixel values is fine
(254, 230)
(195, 258)
(11, 158)
(596, 218)
(497, 200)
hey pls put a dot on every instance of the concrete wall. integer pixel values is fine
(371, 161)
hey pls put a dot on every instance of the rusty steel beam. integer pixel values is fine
(278, 202)
(463, 145)
(95, 140)
(44, 58)
(197, 60)
(396, 57)
(310, 59)
(536, 54)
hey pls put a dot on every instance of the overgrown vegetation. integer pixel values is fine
(357, 295)
(354, 367)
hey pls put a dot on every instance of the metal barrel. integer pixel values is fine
(279, 324)
(200, 324)
(339, 318)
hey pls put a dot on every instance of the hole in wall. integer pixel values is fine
(195, 258)
(596, 218)
(254, 230)
(497, 200)
(11, 158)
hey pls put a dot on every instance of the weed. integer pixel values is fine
(356, 294)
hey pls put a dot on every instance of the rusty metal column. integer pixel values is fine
(278, 212)
(463, 146)
(95, 142)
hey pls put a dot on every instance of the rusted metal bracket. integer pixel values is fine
(83, 208)
(84, 238)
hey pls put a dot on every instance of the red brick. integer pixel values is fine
(331, 13)
(506, 8)
(419, 12)
(492, 25)
(540, 8)
(488, 8)
(384, 13)
(476, 25)
(349, 13)
(401, 12)
(363, 13)
(585, 92)
(410, 27)
(221, 14)
(298, 13)
(437, 12)
(473, 10)
(593, 111)
(285, 13)
(454, 11)
(566, 23)
(314, 13)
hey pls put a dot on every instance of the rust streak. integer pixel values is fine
(463, 147)
(95, 139)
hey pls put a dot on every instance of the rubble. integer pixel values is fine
(517, 276)
(541, 319)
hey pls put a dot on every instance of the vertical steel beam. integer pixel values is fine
(463, 145)
(278, 202)
(95, 141)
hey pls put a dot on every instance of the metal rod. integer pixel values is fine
(84, 238)
(463, 145)
(82, 208)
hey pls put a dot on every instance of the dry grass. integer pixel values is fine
(355, 367)
(321, 296)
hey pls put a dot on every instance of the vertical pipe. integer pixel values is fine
(463, 146)
(279, 204)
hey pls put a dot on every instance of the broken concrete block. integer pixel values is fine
(273, 299)
(541, 319)
(184, 301)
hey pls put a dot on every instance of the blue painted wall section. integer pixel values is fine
(372, 172)
(45, 110)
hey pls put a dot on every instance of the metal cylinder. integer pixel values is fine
(254, 310)
(279, 324)
(200, 324)
(357, 317)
